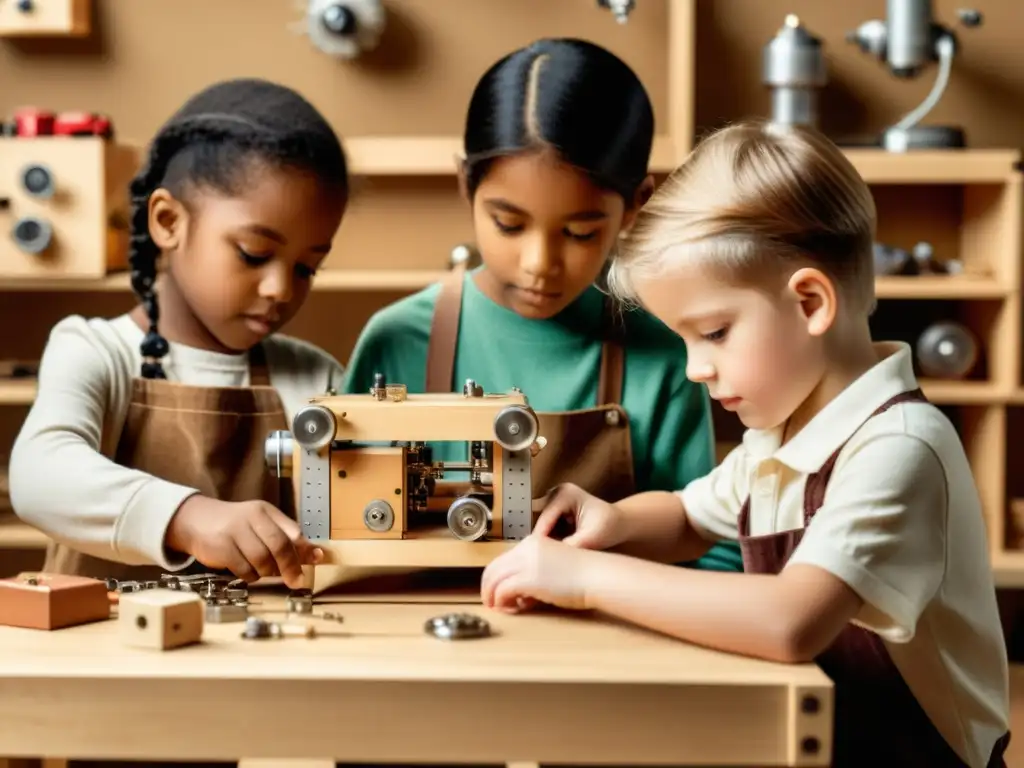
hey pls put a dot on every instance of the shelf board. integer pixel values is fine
(945, 166)
(1008, 569)
(21, 536)
(438, 155)
(17, 391)
(910, 287)
(940, 287)
(326, 280)
(963, 392)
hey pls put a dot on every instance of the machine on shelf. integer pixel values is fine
(794, 69)
(63, 195)
(907, 42)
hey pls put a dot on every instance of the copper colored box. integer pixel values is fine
(52, 601)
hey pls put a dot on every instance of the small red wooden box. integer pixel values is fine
(52, 601)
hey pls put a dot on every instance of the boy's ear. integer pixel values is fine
(168, 220)
(460, 172)
(643, 194)
(817, 298)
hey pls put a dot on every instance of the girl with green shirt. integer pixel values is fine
(557, 140)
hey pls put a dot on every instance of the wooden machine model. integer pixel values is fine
(369, 492)
(63, 196)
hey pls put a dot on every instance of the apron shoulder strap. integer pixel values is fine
(613, 364)
(259, 372)
(444, 333)
(814, 491)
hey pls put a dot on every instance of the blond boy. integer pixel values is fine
(862, 533)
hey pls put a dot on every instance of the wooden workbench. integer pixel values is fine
(548, 687)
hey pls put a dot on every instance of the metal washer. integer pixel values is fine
(458, 626)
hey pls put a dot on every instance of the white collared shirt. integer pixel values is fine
(901, 524)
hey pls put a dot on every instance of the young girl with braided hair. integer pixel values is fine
(143, 451)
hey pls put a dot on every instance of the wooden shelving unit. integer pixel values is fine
(968, 204)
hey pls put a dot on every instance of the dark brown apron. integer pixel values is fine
(877, 717)
(590, 447)
(210, 438)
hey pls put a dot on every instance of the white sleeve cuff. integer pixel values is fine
(141, 530)
(708, 526)
(886, 611)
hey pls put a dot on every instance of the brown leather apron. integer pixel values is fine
(210, 438)
(877, 717)
(590, 447)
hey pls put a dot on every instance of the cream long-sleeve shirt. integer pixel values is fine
(63, 480)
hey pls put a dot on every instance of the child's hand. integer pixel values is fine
(597, 524)
(538, 569)
(250, 538)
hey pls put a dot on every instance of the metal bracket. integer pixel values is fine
(516, 494)
(315, 495)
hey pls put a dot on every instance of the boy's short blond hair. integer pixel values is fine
(753, 203)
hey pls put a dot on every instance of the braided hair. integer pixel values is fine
(208, 142)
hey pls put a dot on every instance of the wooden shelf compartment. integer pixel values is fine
(973, 223)
(991, 379)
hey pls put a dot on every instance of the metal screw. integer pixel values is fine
(513, 429)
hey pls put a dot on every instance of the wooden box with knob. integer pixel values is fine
(45, 18)
(52, 601)
(64, 202)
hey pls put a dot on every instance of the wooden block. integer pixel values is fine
(160, 618)
(52, 601)
(46, 18)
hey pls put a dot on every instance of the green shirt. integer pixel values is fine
(555, 363)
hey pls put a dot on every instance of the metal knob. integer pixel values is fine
(32, 235)
(313, 427)
(38, 181)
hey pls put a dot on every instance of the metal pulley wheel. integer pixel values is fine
(516, 427)
(313, 427)
(457, 626)
(378, 516)
(469, 519)
(946, 350)
(277, 452)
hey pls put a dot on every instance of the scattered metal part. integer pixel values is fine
(458, 626)
(226, 614)
(332, 616)
(261, 629)
(299, 601)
